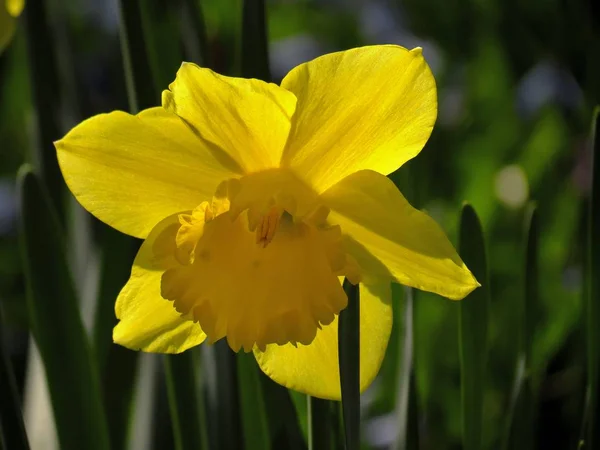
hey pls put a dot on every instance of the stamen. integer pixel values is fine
(265, 232)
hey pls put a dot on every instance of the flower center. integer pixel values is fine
(259, 264)
(268, 226)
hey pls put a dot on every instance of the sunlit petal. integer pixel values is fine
(147, 321)
(313, 369)
(133, 171)
(249, 119)
(365, 108)
(388, 237)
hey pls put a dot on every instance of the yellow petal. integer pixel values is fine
(148, 322)
(133, 171)
(249, 119)
(15, 7)
(365, 108)
(388, 237)
(313, 369)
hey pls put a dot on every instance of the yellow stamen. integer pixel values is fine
(265, 232)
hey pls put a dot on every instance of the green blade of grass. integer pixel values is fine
(118, 382)
(530, 305)
(117, 365)
(349, 360)
(283, 418)
(321, 423)
(592, 277)
(473, 330)
(161, 33)
(255, 52)
(12, 428)
(56, 324)
(521, 414)
(43, 74)
(186, 400)
(141, 92)
(193, 31)
(253, 411)
(225, 409)
(407, 437)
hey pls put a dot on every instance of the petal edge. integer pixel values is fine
(390, 238)
(366, 108)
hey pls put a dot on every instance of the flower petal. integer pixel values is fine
(313, 369)
(148, 322)
(249, 119)
(15, 7)
(133, 171)
(388, 237)
(365, 108)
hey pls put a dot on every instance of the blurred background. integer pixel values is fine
(517, 85)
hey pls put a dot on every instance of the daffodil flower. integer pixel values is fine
(10, 10)
(255, 199)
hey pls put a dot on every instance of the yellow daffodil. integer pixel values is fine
(255, 199)
(9, 11)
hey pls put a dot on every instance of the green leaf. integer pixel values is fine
(284, 423)
(254, 416)
(161, 23)
(118, 381)
(255, 50)
(186, 400)
(117, 365)
(349, 359)
(521, 414)
(46, 96)
(12, 429)
(321, 425)
(225, 409)
(407, 437)
(193, 30)
(141, 91)
(592, 276)
(56, 323)
(473, 330)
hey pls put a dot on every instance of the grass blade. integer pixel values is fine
(473, 330)
(254, 416)
(283, 418)
(226, 407)
(185, 400)
(255, 51)
(161, 23)
(321, 423)
(349, 358)
(56, 323)
(12, 428)
(118, 387)
(521, 414)
(43, 73)
(407, 437)
(141, 92)
(593, 295)
(193, 30)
